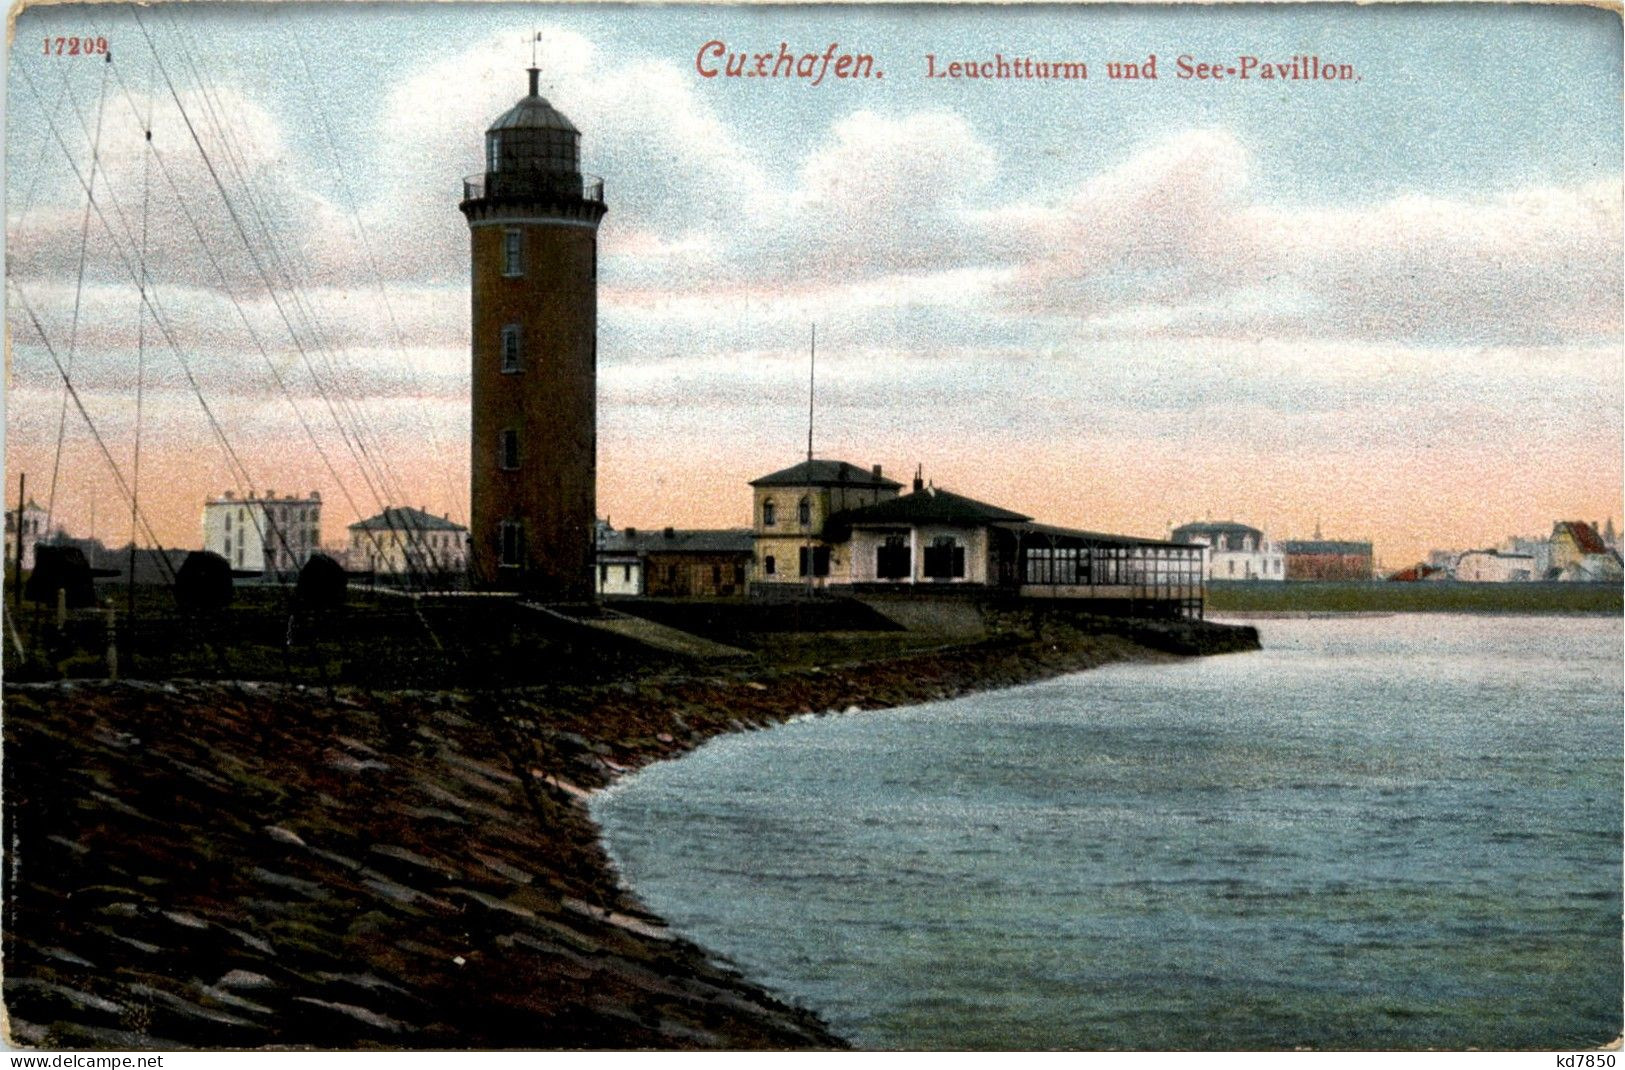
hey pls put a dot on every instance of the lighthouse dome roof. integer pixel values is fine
(533, 113)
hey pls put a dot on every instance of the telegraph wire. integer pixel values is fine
(279, 269)
(73, 393)
(372, 260)
(236, 217)
(232, 158)
(141, 341)
(78, 293)
(352, 406)
(239, 471)
(295, 285)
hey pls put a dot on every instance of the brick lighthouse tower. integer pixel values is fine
(533, 226)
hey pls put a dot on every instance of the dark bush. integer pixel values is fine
(203, 584)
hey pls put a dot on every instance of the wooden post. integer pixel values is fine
(17, 576)
(112, 644)
(61, 608)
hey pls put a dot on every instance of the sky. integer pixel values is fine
(1388, 306)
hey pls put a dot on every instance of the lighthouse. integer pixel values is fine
(533, 233)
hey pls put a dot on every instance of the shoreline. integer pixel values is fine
(405, 869)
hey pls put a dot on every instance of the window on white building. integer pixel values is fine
(892, 559)
(770, 513)
(944, 559)
(804, 512)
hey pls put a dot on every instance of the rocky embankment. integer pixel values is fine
(247, 865)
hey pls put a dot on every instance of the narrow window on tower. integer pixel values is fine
(512, 534)
(508, 450)
(770, 514)
(513, 249)
(510, 348)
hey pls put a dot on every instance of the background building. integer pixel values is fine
(1327, 559)
(270, 534)
(1235, 551)
(402, 541)
(1495, 566)
(533, 229)
(791, 507)
(1579, 553)
(31, 531)
(676, 563)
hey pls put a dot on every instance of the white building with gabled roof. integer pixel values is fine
(406, 541)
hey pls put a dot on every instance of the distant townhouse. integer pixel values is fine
(1579, 554)
(1494, 566)
(790, 508)
(27, 523)
(1538, 549)
(676, 563)
(1327, 559)
(1234, 551)
(402, 541)
(267, 534)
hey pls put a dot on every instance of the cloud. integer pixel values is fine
(675, 171)
(1171, 243)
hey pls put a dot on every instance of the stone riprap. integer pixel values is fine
(250, 864)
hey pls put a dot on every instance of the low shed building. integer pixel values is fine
(675, 563)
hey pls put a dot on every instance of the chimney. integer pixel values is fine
(671, 533)
(631, 533)
(876, 471)
(919, 478)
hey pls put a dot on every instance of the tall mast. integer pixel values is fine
(812, 382)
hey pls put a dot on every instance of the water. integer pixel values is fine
(1400, 832)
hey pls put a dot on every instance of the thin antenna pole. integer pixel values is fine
(22, 503)
(141, 349)
(812, 382)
